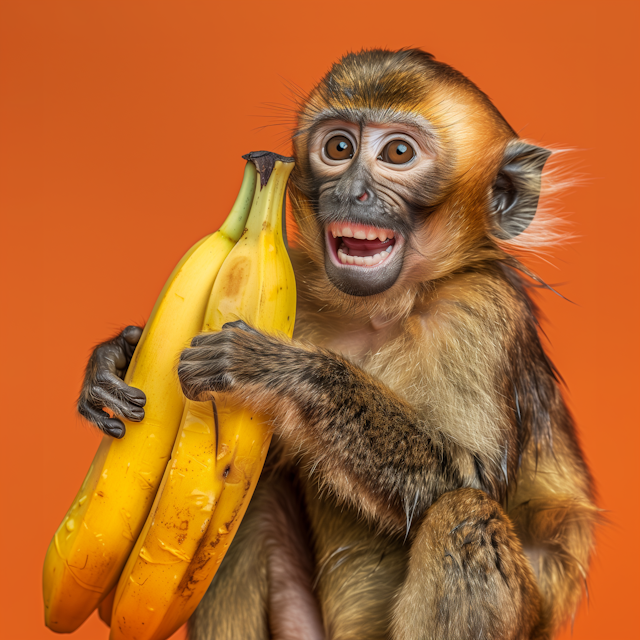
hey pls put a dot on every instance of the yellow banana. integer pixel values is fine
(211, 476)
(92, 544)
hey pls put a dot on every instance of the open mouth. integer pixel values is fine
(360, 245)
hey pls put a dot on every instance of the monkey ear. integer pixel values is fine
(516, 189)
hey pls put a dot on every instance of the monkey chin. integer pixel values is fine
(362, 279)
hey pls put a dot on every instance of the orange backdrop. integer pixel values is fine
(122, 129)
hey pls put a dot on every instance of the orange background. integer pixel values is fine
(122, 129)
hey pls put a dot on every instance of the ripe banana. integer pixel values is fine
(89, 549)
(213, 472)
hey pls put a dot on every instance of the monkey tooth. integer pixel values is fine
(360, 232)
(360, 245)
(367, 261)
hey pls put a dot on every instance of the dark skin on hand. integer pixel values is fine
(425, 479)
(104, 387)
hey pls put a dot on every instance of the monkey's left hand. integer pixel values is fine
(227, 359)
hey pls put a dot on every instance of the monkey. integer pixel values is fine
(425, 480)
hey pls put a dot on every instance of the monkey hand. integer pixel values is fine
(231, 360)
(103, 385)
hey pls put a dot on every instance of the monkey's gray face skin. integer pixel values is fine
(365, 178)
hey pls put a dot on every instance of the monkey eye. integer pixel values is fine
(339, 148)
(397, 152)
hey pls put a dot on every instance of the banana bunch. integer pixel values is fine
(205, 487)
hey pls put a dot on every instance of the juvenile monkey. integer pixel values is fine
(426, 480)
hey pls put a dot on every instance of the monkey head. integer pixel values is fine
(405, 173)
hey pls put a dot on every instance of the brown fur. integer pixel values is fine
(441, 384)
(484, 588)
(437, 466)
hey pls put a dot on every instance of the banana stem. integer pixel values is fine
(268, 204)
(265, 161)
(234, 225)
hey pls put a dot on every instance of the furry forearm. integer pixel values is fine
(362, 438)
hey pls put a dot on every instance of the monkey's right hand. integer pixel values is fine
(103, 385)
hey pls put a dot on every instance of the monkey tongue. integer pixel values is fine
(356, 247)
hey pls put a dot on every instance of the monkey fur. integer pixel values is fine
(425, 480)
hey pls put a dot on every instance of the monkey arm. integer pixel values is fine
(366, 442)
(103, 384)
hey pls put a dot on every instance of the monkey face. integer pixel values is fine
(405, 174)
(364, 177)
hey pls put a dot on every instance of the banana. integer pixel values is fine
(89, 549)
(106, 606)
(212, 473)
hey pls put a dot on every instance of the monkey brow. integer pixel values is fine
(363, 116)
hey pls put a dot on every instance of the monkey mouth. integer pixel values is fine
(360, 245)
(362, 260)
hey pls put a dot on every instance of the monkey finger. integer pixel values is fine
(129, 339)
(197, 341)
(212, 345)
(198, 378)
(131, 334)
(101, 397)
(114, 386)
(192, 389)
(206, 360)
(239, 324)
(111, 357)
(110, 426)
(134, 395)
(204, 339)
